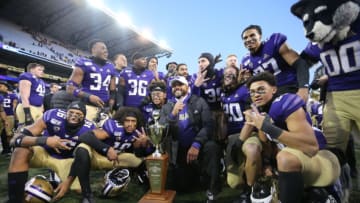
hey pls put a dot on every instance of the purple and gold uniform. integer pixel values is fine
(36, 97)
(147, 110)
(37, 91)
(120, 141)
(211, 90)
(269, 59)
(45, 157)
(7, 102)
(312, 167)
(136, 86)
(55, 120)
(233, 106)
(96, 77)
(342, 66)
(96, 81)
(118, 138)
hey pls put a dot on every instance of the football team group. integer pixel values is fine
(247, 126)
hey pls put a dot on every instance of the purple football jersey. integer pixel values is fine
(286, 104)
(136, 86)
(118, 138)
(37, 91)
(233, 106)
(8, 103)
(96, 78)
(55, 120)
(269, 59)
(211, 90)
(317, 111)
(341, 62)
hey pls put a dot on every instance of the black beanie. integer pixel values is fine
(210, 68)
(208, 56)
(136, 55)
(78, 105)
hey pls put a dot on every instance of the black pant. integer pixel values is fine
(5, 144)
(205, 171)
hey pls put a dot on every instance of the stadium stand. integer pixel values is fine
(55, 33)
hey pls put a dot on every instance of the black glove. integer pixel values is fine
(28, 118)
(235, 148)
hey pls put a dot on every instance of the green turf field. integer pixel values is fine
(134, 192)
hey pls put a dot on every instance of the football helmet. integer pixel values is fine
(38, 190)
(263, 191)
(115, 181)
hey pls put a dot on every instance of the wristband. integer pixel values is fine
(272, 130)
(41, 140)
(86, 96)
(70, 82)
(196, 145)
(18, 141)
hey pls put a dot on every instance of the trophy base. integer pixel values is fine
(166, 197)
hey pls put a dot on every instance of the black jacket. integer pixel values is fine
(199, 116)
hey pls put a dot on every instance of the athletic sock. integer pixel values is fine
(81, 167)
(16, 186)
(291, 187)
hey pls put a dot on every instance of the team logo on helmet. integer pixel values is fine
(38, 190)
(115, 181)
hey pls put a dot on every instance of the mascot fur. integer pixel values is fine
(328, 20)
(330, 23)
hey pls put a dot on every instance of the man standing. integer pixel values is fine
(92, 80)
(134, 82)
(193, 153)
(9, 104)
(47, 99)
(276, 57)
(32, 92)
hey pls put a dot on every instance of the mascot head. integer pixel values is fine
(327, 20)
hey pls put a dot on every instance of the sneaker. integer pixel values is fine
(54, 179)
(244, 196)
(88, 199)
(143, 178)
(210, 197)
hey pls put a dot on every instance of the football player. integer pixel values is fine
(115, 145)
(152, 65)
(134, 82)
(302, 160)
(235, 99)
(93, 80)
(156, 101)
(9, 104)
(32, 92)
(207, 84)
(276, 57)
(61, 130)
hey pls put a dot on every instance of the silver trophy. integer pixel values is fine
(156, 133)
